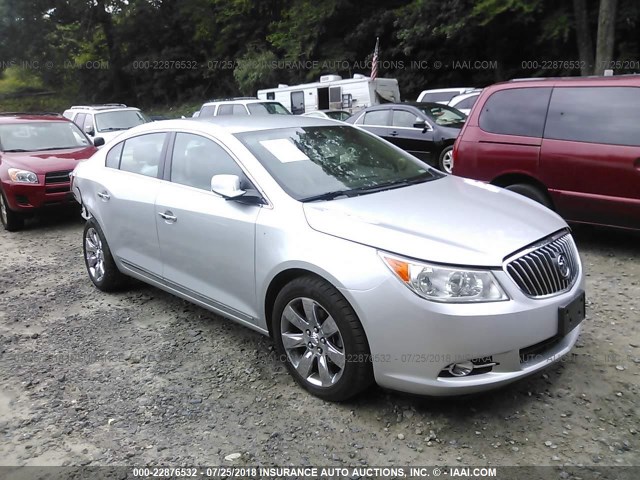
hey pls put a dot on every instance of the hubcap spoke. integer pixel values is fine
(323, 370)
(293, 340)
(305, 364)
(310, 311)
(336, 356)
(294, 319)
(329, 327)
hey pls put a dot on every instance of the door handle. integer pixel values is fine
(168, 217)
(394, 134)
(104, 196)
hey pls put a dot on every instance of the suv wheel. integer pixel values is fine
(320, 339)
(446, 159)
(11, 221)
(102, 270)
(532, 192)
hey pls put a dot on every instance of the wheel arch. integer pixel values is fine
(512, 178)
(279, 281)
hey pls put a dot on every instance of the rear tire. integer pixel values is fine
(101, 267)
(532, 192)
(319, 337)
(445, 162)
(11, 221)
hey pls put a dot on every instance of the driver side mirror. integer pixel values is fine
(420, 123)
(98, 141)
(227, 186)
(88, 129)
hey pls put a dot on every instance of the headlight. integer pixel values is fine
(22, 176)
(446, 284)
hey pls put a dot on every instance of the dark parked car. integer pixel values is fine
(425, 130)
(572, 144)
(37, 153)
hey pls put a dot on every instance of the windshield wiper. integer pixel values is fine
(16, 150)
(327, 196)
(58, 148)
(114, 129)
(354, 192)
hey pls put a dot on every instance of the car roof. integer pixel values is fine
(235, 124)
(241, 101)
(450, 89)
(27, 117)
(385, 106)
(619, 80)
(464, 96)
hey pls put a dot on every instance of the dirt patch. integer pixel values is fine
(142, 377)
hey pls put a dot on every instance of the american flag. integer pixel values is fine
(374, 61)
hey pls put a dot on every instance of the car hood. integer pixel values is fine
(451, 220)
(50, 160)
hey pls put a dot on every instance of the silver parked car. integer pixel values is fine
(320, 235)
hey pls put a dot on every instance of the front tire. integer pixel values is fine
(532, 192)
(101, 267)
(320, 339)
(446, 160)
(11, 221)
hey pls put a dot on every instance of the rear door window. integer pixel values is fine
(143, 154)
(607, 115)
(377, 117)
(516, 111)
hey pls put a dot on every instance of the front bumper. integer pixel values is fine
(26, 197)
(413, 340)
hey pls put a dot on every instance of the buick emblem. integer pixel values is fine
(563, 266)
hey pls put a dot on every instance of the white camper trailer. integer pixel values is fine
(334, 93)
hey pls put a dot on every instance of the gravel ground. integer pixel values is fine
(144, 378)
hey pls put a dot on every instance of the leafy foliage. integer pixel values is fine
(154, 52)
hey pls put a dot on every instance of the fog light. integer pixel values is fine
(461, 369)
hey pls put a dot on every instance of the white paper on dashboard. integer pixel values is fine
(284, 150)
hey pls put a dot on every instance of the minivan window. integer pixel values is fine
(516, 111)
(608, 115)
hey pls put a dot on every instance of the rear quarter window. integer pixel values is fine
(516, 111)
(608, 115)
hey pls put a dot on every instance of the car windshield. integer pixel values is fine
(40, 135)
(338, 115)
(330, 161)
(119, 120)
(267, 108)
(444, 115)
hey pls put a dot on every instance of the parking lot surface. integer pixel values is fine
(142, 377)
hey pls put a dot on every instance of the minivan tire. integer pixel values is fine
(532, 192)
(301, 314)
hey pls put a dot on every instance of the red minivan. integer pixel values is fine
(572, 144)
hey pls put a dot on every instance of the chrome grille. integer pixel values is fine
(57, 177)
(548, 268)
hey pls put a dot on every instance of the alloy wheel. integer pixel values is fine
(447, 161)
(94, 254)
(313, 342)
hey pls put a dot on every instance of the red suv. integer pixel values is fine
(37, 153)
(572, 144)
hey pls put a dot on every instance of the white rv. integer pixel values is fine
(334, 93)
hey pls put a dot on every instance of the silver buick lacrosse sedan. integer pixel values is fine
(362, 263)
